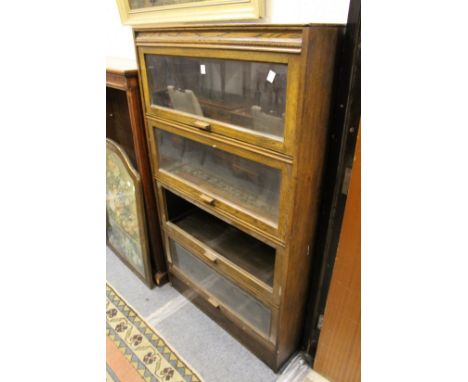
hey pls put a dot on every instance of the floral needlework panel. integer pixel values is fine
(123, 231)
(148, 353)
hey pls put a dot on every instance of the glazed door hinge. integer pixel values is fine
(346, 180)
(320, 322)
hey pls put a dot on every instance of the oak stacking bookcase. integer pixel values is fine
(236, 118)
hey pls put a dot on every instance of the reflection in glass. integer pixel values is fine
(251, 95)
(134, 4)
(249, 184)
(123, 232)
(246, 306)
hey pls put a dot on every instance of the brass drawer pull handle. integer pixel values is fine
(211, 256)
(213, 302)
(207, 199)
(202, 125)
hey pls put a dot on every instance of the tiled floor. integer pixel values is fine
(206, 347)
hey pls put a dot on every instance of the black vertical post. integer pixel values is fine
(344, 122)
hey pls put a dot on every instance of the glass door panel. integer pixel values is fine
(243, 304)
(250, 185)
(251, 95)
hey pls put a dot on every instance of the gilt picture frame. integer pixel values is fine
(151, 12)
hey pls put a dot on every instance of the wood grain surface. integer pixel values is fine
(339, 349)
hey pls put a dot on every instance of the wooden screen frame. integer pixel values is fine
(147, 278)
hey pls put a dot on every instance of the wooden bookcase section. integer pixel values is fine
(236, 119)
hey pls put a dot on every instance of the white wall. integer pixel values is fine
(119, 42)
(119, 38)
(306, 11)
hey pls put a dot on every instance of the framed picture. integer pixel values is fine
(147, 12)
(125, 215)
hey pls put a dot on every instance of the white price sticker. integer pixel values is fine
(271, 76)
(203, 69)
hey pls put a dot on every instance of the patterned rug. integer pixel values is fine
(135, 352)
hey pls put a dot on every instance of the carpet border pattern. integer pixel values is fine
(143, 348)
